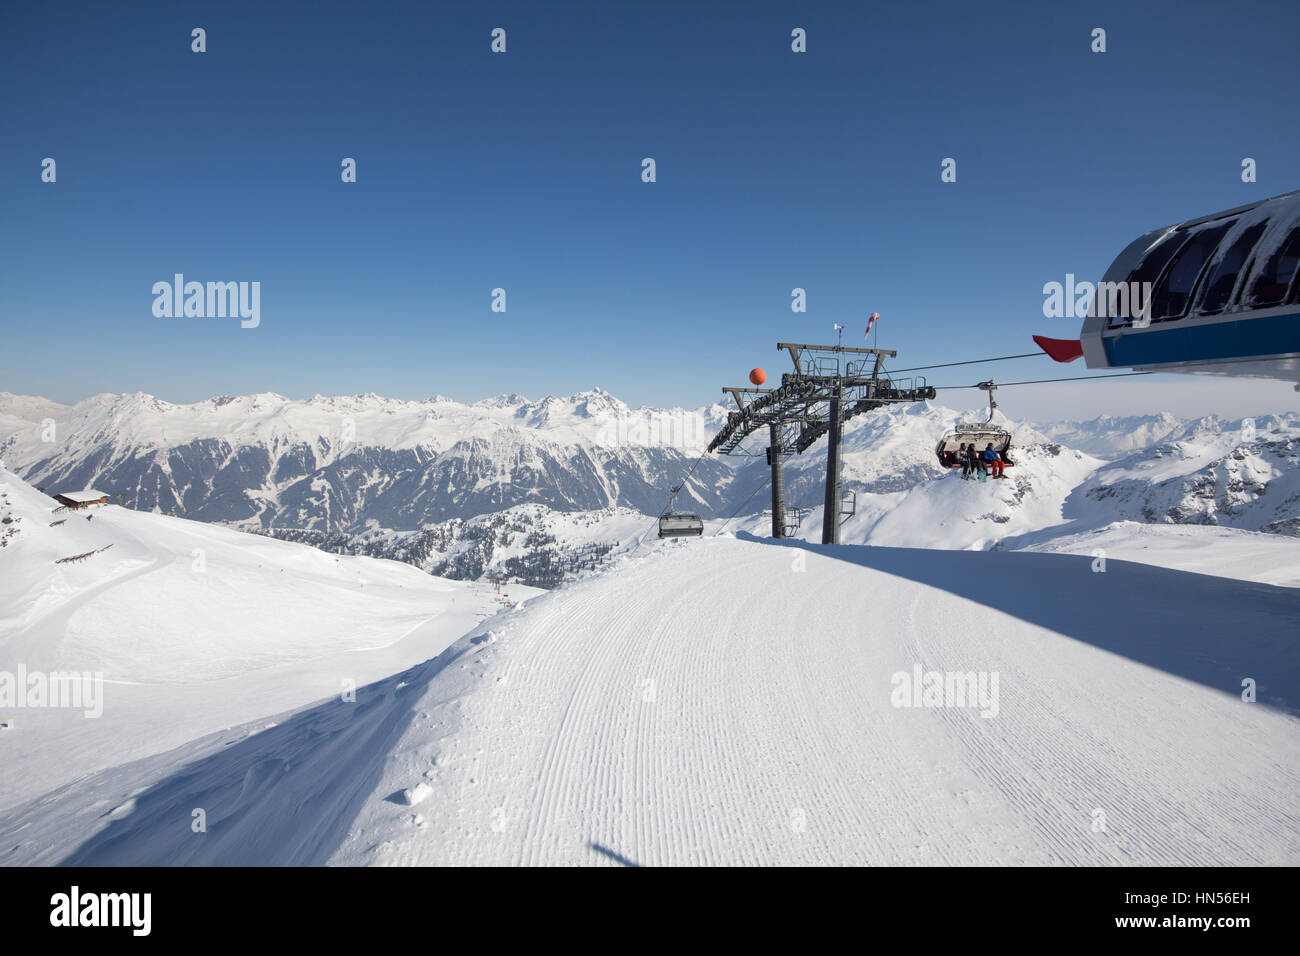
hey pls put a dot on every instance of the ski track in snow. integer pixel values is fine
(753, 729)
(708, 704)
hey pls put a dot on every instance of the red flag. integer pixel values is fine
(1061, 350)
(871, 320)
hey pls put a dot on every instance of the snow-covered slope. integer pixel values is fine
(950, 513)
(1215, 473)
(890, 449)
(193, 627)
(1227, 474)
(1222, 552)
(734, 701)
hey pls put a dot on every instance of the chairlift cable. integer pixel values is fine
(742, 504)
(672, 494)
(1048, 381)
(682, 484)
(1000, 358)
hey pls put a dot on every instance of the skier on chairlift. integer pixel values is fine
(993, 461)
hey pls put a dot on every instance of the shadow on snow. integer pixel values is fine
(282, 796)
(1212, 630)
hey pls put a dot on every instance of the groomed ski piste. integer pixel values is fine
(726, 700)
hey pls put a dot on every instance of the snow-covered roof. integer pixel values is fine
(90, 494)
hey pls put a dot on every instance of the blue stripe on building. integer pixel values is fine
(1240, 338)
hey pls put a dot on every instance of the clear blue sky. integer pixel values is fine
(775, 170)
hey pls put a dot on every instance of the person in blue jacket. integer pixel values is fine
(993, 461)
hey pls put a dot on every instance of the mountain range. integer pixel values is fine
(457, 489)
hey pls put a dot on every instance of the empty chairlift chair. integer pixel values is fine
(679, 524)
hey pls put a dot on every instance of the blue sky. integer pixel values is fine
(522, 171)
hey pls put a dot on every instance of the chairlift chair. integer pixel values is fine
(679, 524)
(981, 434)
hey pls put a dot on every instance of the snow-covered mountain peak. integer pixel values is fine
(511, 400)
(335, 463)
(330, 461)
(29, 408)
(1112, 436)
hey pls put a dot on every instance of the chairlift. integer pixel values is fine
(679, 524)
(980, 434)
